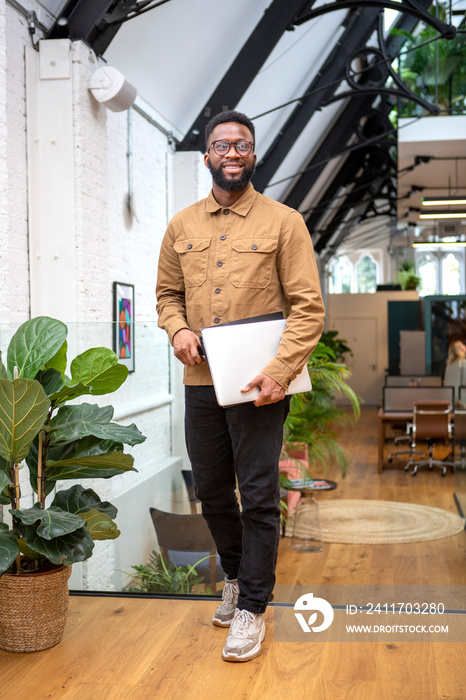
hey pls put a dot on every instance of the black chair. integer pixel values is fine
(181, 536)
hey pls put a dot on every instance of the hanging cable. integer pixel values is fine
(339, 80)
(346, 150)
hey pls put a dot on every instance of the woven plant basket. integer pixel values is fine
(33, 609)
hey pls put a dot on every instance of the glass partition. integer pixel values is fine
(152, 398)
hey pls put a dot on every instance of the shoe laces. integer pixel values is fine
(229, 591)
(242, 621)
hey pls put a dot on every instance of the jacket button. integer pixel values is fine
(254, 246)
(219, 263)
(217, 291)
(226, 211)
(222, 237)
(189, 246)
(216, 320)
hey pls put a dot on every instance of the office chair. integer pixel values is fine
(183, 535)
(432, 424)
(407, 437)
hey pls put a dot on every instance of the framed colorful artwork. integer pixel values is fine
(123, 317)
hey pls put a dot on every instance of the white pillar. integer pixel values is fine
(51, 187)
(4, 266)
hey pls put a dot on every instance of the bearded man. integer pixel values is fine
(234, 255)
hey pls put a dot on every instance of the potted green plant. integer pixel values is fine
(58, 441)
(314, 415)
(160, 576)
(310, 436)
(407, 276)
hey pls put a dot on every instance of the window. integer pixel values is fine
(451, 275)
(366, 275)
(428, 268)
(340, 276)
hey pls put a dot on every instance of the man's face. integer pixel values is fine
(230, 172)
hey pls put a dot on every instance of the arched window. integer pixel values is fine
(451, 275)
(340, 276)
(366, 275)
(427, 270)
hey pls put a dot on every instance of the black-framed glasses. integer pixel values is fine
(242, 148)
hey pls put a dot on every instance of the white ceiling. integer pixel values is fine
(176, 54)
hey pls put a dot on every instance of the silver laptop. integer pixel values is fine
(237, 352)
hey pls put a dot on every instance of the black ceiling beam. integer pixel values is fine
(348, 120)
(277, 18)
(411, 7)
(345, 176)
(334, 143)
(365, 191)
(87, 20)
(359, 27)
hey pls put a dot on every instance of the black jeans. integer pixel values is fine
(243, 443)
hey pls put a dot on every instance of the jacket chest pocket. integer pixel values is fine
(253, 260)
(194, 257)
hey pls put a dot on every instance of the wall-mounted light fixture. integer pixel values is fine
(111, 89)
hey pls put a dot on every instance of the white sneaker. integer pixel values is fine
(246, 634)
(226, 610)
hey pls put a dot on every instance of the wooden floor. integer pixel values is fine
(123, 648)
(440, 562)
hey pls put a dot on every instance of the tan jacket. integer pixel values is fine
(218, 265)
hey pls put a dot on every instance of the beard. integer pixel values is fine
(231, 185)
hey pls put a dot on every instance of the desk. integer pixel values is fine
(388, 418)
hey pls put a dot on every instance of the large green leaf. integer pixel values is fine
(69, 392)
(73, 547)
(4, 480)
(100, 525)
(96, 371)
(92, 467)
(79, 500)
(9, 549)
(34, 344)
(4, 491)
(72, 450)
(98, 368)
(73, 422)
(23, 409)
(2, 368)
(58, 361)
(53, 521)
(51, 380)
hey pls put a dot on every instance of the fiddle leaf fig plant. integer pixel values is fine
(57, 442)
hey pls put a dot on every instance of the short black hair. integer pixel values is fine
(226, 117)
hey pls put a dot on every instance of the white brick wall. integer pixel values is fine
(14, 276)
(110, 246)
(4, 262)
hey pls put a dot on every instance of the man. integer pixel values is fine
(234, 255)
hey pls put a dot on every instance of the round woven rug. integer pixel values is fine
(385, 522)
